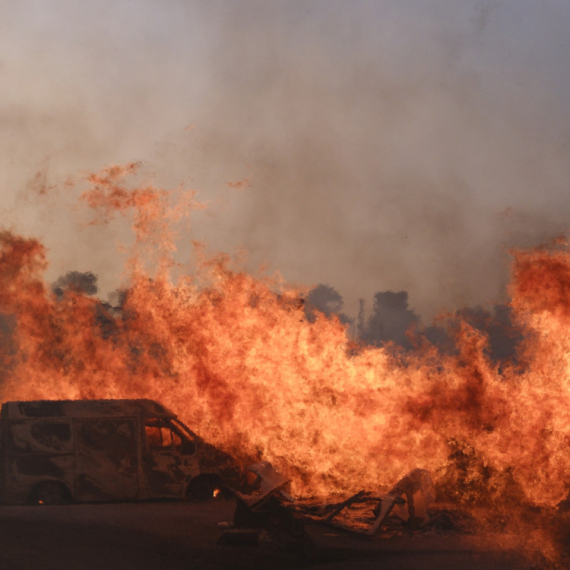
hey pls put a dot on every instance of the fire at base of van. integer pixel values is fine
(58, 451)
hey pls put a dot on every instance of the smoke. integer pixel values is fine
(386, 145)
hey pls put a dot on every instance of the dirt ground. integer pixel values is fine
(172, 536)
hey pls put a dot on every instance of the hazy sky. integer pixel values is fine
(390, 144)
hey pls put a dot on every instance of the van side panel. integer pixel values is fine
(101, 450)
(107, 459)
(36, 451)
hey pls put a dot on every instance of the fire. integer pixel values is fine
(234, 355)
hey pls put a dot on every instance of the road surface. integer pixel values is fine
(176, 536)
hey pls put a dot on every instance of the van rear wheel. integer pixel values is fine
(52, 493)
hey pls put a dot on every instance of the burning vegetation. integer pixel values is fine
(240, 361)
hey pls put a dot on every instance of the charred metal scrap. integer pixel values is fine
(271, 507)
(365, 513)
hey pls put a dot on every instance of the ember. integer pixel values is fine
(237, 358)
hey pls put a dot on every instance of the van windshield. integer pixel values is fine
(191, 435)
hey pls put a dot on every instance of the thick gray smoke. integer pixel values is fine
(371, 145)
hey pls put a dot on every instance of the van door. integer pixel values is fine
(170, 458)
(107, 464)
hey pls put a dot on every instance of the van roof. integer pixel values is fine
(84, 409)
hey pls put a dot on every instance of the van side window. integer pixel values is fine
(52, 435)
(161, 434)
(153, 435)
(158, 434)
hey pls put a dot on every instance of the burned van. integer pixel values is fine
(59, 451)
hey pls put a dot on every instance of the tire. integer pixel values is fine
(201, 488)
(52, 493)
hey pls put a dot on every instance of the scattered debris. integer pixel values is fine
(267, 482)
(365, 513)
(271, 509)
(265, 508)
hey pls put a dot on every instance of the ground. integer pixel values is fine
(172, 536)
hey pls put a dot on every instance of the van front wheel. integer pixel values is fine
(52, 493)
(201, 488)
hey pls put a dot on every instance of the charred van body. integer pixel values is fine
(61, 451)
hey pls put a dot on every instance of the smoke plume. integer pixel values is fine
(368, 145)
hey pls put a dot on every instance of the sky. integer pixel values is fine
(387, 144)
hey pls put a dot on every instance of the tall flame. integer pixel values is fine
(235, 357)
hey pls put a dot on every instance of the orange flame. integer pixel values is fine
(238, 361)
